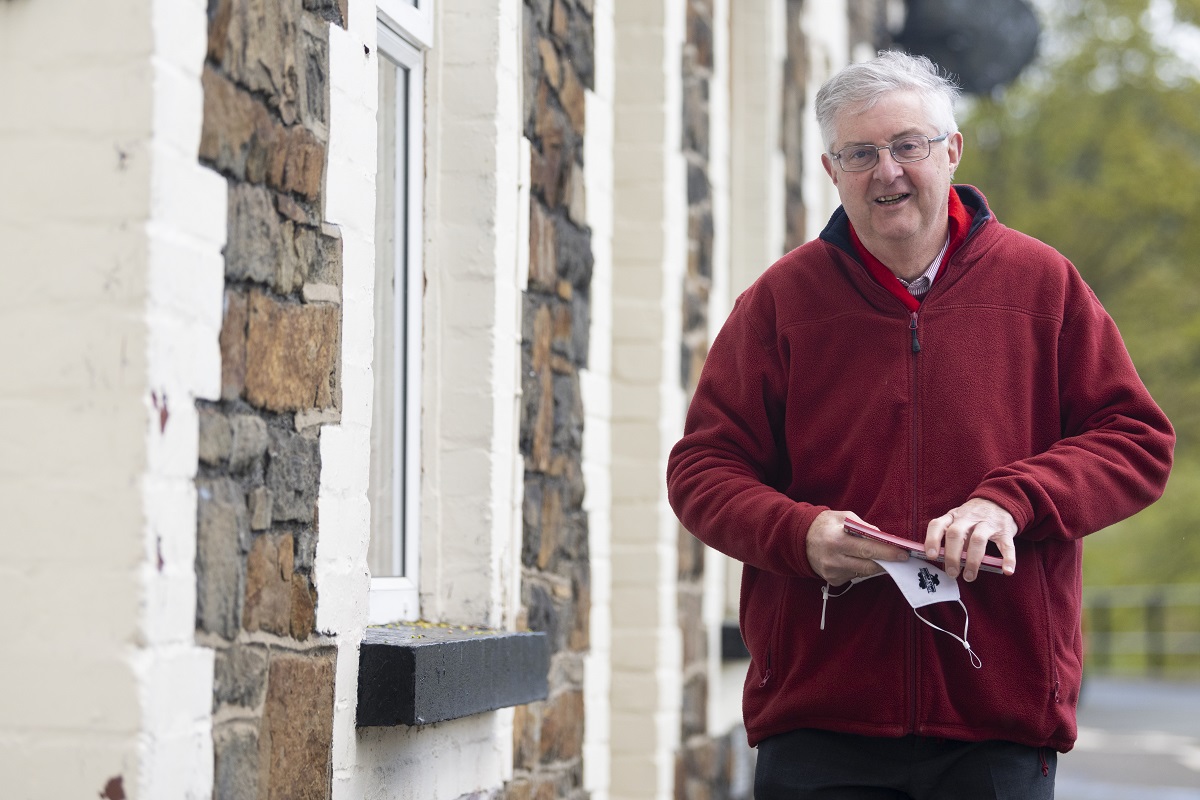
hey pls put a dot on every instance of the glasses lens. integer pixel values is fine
(856, 159)
(910, 148)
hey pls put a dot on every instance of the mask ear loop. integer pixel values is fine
(825, 595)
(976, 662)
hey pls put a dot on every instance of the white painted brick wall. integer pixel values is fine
(596, 388)
(340, 565)
(474, 267)
(186, 232)
(829, 51)
(112, 288)
(758, 52)
(649, 259)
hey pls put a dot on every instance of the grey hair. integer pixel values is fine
(862, 85)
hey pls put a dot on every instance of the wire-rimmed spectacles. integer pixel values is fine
(905, 150)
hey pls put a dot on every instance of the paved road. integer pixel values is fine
(1138, 740)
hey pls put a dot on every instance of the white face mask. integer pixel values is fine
(922, 584)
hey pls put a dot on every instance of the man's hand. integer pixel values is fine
(838, 557)
(970, 527)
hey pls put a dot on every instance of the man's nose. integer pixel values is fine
(887, 168)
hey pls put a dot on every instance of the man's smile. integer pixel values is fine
(890, 199)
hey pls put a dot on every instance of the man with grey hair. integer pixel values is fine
(919, 370)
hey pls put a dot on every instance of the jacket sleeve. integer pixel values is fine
(722, 476)
(1117, 445)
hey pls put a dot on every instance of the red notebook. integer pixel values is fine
(917, 549)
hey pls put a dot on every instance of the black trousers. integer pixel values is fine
(839, 766)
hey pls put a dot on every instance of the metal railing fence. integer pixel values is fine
(1150, 630)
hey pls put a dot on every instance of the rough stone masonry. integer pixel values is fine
(265, 130)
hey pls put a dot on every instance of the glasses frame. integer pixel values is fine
(929, 141)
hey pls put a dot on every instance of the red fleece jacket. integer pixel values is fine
(813, 397)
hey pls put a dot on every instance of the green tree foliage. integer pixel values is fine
(1096, 150)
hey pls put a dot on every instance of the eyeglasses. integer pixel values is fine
(905, 150)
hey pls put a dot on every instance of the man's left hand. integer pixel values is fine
(969, 528)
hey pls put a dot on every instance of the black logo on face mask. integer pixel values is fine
(927, 580)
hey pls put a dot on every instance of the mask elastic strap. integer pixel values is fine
(825, 595)
(975, 660)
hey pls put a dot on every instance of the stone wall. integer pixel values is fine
(556, 580)
(866, 33)
(266, 130)
(707, 767)
(795, 98)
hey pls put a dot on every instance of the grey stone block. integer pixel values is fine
(222, 527)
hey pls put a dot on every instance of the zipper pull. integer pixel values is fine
(912, 326)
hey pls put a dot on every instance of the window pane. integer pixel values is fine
(385, 555)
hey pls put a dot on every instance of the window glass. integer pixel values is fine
(395, 431)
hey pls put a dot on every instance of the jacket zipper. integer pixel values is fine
(913, 660)
(773, 643)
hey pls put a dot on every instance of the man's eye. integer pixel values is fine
(907, 147)
(862, 154)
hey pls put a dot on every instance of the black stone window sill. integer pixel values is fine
(732, 646)
(418, 674)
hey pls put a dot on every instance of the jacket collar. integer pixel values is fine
(837, 230)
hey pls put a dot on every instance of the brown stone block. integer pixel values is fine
(543, 424)
(546, 173)
(296, 738)
(233, 345)
(543, 261)
(527, 728)
(237, 129)
(580, 638)
(551, 63)
(549, 123)
(519, 789)
(219, 13)
(551, 527)
(291, 354)
(297, 162)
(269, 570)
(259, 51)
(571, 95)
(562, 728)
(564, 330)
(560, 20)
(304, 607)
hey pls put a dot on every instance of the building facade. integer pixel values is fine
(348, 339)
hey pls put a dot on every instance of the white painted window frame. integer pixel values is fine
(413, 17)
(398, 598)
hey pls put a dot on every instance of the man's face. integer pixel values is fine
(896, 208)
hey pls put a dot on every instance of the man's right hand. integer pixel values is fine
(839, 557)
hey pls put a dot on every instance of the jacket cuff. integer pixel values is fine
(1020, 513)
(806, 515)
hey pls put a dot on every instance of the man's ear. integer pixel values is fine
(830, 169)
(954, 148)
